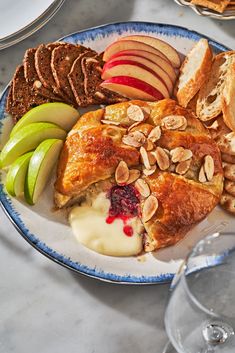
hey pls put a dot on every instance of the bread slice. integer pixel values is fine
(209, 104)
(216, 5)
(194, 71)
(228, 97)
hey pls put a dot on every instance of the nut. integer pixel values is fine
(180, 154)
(183, 167)
(134, 139)
(134, 125)
(149, 208)
(111, 122)
(174, 122)
(155, 134)
(209, 167)
(149, 146)
(143, 188)
(145, 158)
(133, 176)
(37, 84)
(122, 173)
(148, 172)
(202, 175)
(151, 157)
(162, 158)
(134, 112)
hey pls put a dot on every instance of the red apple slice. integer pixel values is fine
(158, 44)
(136, 70)
(132, 88)
(164, 64)
(150, 65)
(119, 45)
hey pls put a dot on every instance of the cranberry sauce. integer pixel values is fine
(124, 205)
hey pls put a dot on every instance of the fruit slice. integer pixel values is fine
(119, 45)
(40, 168)
(61, 114)
(132, 88)
(27, 139)
(150, 65)
(16, 175)
(135, 70)
(164, 64)
(158, 44)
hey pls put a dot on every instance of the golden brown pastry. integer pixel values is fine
(160, 150)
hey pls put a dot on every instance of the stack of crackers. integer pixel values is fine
(206, 84)
(216, 5)
(58, 72)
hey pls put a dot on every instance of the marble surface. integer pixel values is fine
(45, 308)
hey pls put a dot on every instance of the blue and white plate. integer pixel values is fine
(49, 231)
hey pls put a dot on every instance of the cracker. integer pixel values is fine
(229, 186)
(216, 5)
(229, 171)
(228, 158)
(227, 201)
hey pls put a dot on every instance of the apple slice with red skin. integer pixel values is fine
(158, 44)
(150, 65)
(120, 45)
(164, 64)
(137, 70)
(132, 88)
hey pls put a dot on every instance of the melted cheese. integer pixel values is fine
(90, 229)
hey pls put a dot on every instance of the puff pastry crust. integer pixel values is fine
(93, 150)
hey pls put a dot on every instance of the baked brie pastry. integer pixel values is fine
(155, 163)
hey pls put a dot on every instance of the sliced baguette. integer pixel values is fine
(209, 104)
(228, 97)
(194, 71)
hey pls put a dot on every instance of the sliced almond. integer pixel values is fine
(148, 172)
(142, 186)
(202, 175)
(184, 126)
(111, 122)
(122, 173)
(134, 112)
(155, 134)
(162, 158)
(134, 125)
(151, 157)
(209, 167)
(174, 122)
(149, 208)
(134, 174)
(214, 125)
(145, 158)
(180, 154)
(134, 139)
(183, 167)
(149, 146)
(147, 110)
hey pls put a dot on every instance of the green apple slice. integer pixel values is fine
(27, 139)
(61, 114)
(15, 179)
(40, 168)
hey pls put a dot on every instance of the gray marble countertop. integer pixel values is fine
(45, 308)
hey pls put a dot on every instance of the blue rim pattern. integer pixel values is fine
(5, 201)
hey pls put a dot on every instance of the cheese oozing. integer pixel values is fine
(91, 229)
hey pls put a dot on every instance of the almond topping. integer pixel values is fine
(202, 175)
(149, 208)
(134, 174)
(148, 172)
(174, 122)
(135, 139)
(155, 134)
(134, 112)
(111, 122)
(145, 158)
(122, 173)
(183, 167)
(180, 154)
(209, 167)
(162, 158)
(134, 125)
(151, 157)
(142, 187)
(149, 146)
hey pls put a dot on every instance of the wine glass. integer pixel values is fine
(200, 316)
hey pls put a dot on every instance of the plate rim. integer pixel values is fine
(14, 217)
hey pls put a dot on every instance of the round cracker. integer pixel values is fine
(229, 187)
(226, 143)
(229, 171)
(228, 202)
(228, 158)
